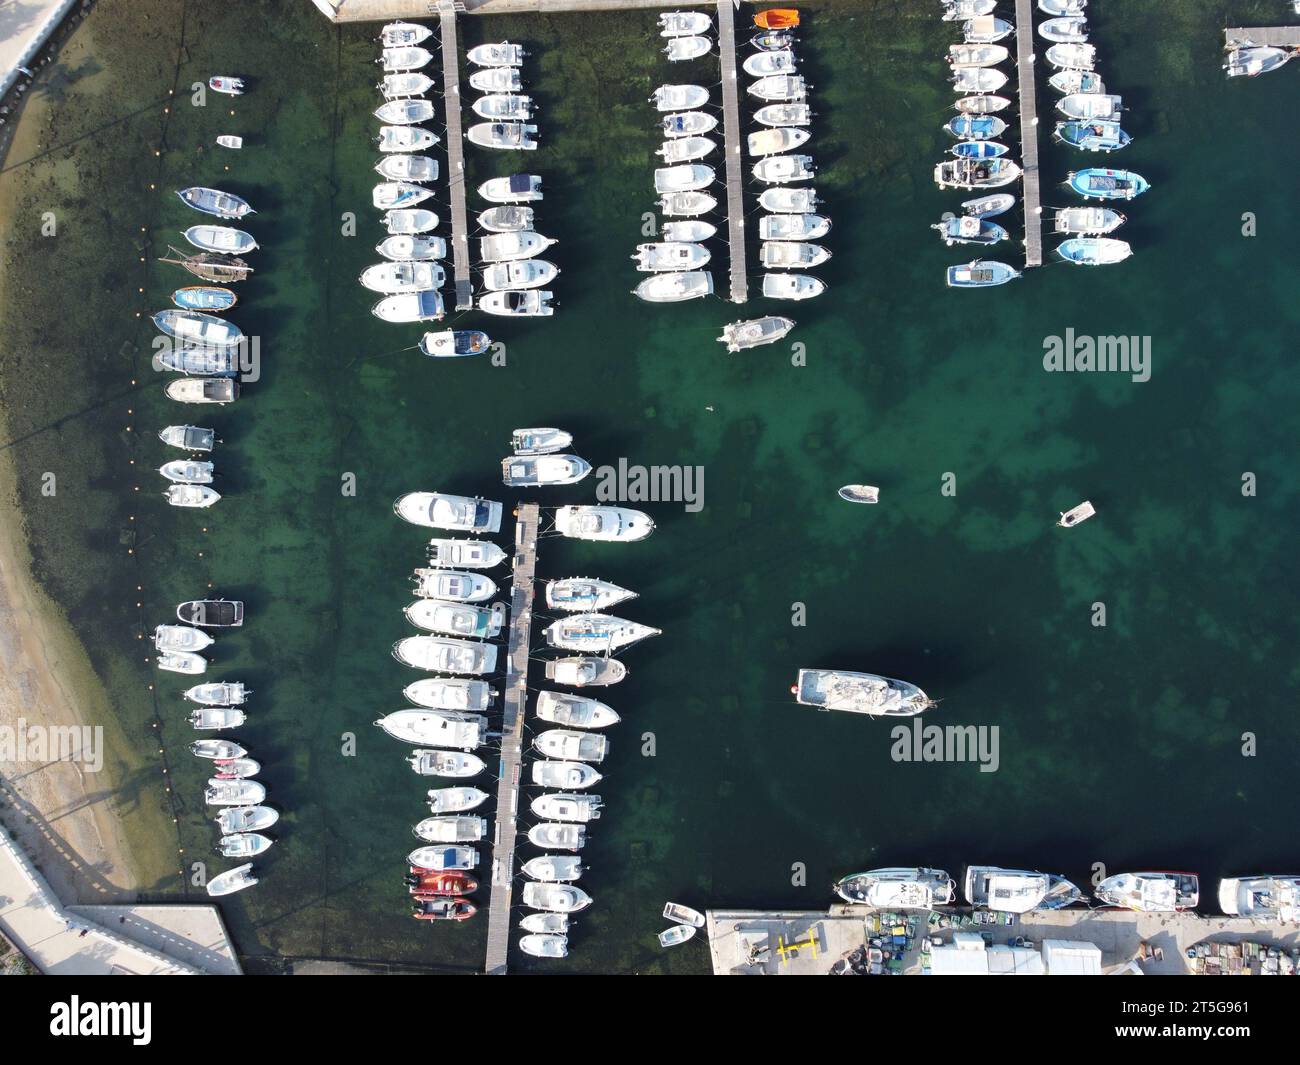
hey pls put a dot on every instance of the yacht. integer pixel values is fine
(455, 343)
(784, 254)
(502, 247)
(217, 718)
(675, 287)
(436, 728)
(503, 54)
(396, 60)
(246, 819)
(189, 437)
(437, 510)
(222, 239)
(784, 114)
(685, 204)
(519, 274)
(410, 307)
(506, 218)
(233, 792)
(406, 139)
(443, 859)
(394, 278)
(394, 86)
(554, 836)
(787, 286)
(566, 775)
(187, 471)
(585, 593)
(679, 97)
(457, 619)
(859, 693)
(218, 693)
(191, 496)
(686, 149)
(1150, 892)
(391, 194)
(410, 222)
(508, 136)
(558, 898)
(407, 168)
(669, 255)
(688, 124)
(217, 750)
(451, 829)
(598, 633)
(233, 880)
(199, 329)
(557, 806)
(755, 332)
(215, 202)
(1262, 897)
(515, 188)
(544, 945)
(689, 177)
(403, 34)
(776, 140)
(781, 200)
(404, 112)
(504, 107)
(1016, 890)
(574, 711)
(455, 800)
(460, 586)
(781, 169)
(412, 248)
(467, 554)
(898, 889)
(527, 303)
(782, 88)
(494, 80)
(441, 763)
(180, 638)
(441, 654)
(553, 868)
(523, 471)
(585, 671)
(450, 693)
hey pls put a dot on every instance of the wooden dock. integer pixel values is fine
(1029, 133)
(455, 156)
(515, 702)
(1263, 36)
(735, 164)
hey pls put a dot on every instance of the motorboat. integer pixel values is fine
(455, 800)
(676, 935)
(199, 329)
(226, 85)
(452, 884)
(1069, 81)
(441, 654)
(504, 107)
(215, 202)
(788, 286)
(189, 437)
(598, 633)
(859, 493)
(581, 522)
(687, 178)
(688, 124)
(779, 87)
(235, 819)
(557, 898)
(506, 218)
(777, 139)
(977, 79)
(670, 255)
(204, 298)
(233, 792)
(753, 333)
(503, 247)
(216, 718)
(399, 60)
(441, 908)
(192, 496)
(220, 238)
(466, 554)
(679, 97)
(543, 923)
(1099, 183)
(436, 728)
(560, 837)
(965, 229)
(553, 868)
(859, 693)
(763, 64)
(1251, 62)
(1150, 892)
(515, 188)
(784, 114)
(187, 471)
(544, 945)
(686, 149)
(503, 54)
(1094, 251)
(977, 55)
(976, 127)
(403, 34)
(218, 693)
(508, 136)
(557, 806)
(217, 749)
(978, 150)
(585, 593)
(981, 104)
(232, 880)
(456, 619)
(410, 248)
(1016, 890)
(982, 273)
(1093, 136)
(406, 222)
(1090, 106)
(777, 18)
(585, 671)
(782, 200)
(390, 194)
(1087, 221)
(1066, 29)
(243, 844)
(989, 206)
(1262, 897)
(1062, 7)
(237, 768)
(530, 303)
(410, 307)
(685, 204)
(898, 889)
(459, 586)
(787, 254)
(1072, 56)
(180, 638)
(675, 287)
(394, 86)
(455, 343)
(773, 40)
(451, 829)
(406, 138)
(438, 510)
(450, 693)
(985, 29)
(960, 10)
(780, 169)
(684, 23)
(574, 711)
(443, 859)
(402, 277)
(518, 274)
(566, 775)
(525, 471)
(1076, 515)
(975, 174)
(202, 362)
(401, 167)
(681, 49)
(405, 112)
(456, 765)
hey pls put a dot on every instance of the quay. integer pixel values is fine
(514, 700)
(1096, 942)
(24, 29)
(1029, 133)
(1263, 36)
(455, 156)
(735, 164)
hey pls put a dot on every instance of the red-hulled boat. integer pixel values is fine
(442, 908)
(423, 882)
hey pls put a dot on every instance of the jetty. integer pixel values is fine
(455, 156)
(515, 700)
(735, 164)
(1029, 133)
(1262, 36)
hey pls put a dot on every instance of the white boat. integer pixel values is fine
(959, 10)
(436, 728)
(455, 800)
(191, 496)
(784, 114)
(243, 844)
(237, 768)
(1150, 892)
(603, 523)
(508, 136)
(504, 107)
(506, 218)
(686, 149)
(567, 745)
(775, 140)
(1017, 890)
(438, 510)
(402, 277)
(1090, 105)
(246, 819)
(859, 693)
(1067, 29)
(203, 390)
(450, 693)
(989, 206)
(559, 806)
(859, 493)
(226, 85)
(1062, 7)
(1075, 81)
(977, 79)
(585, 671)
(683, 915)
(396, 60)
(684, 23)
(456, 619)
(395, 86)
(442, 654)
(552, 868)
(439, 763)
(785, 254)
(496, 80)
(675, 287)
(181, 662)
(585, 593)
(1262, 897)
(515, 188)
(217, 717)
(543, 923)
(981, 104)
(389, 194)
(596, 633)
(679, 97)
(780, 169)
(455, 343)
(503, 247)
(687, 178)
(518, 274)
(972, 54)
(451, 829)
(233, 792)
(689, 231)
(187, 471)
(229, 140)
(558, 898)
(410, 307)
(530, 303)
(407, 222)
(1072, 56)
(407, 168)
(788, 286)
(685, 204)
(180, 638)
(205, 361)
(898, 889)
(503, 54)
(1088, 221)
(680, 49)
(574, 711)
(412, 248)
(789, 88)
(539, 945)
(1094, 251)
(985, 29)
(406, 138)
(1076, 515)
(676, 935)
(976, 173)
(215, 750)
(567, 775)
(467, 554)
(553, 836)
(400, 34)
(233, 880)
(188, 437)
(460, 586)
(765, 64)
(782, 200)
(215, 202)
(443, 859)
(218, 693)
(685, 124)
(670, 255)
(404, 112)
(534, 471)
(754, 332)
(1249, 62)
(221, 239)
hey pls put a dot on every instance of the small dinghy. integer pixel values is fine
(787, 254)
(959, 10)
(689, 231)
(519, 274)
(764, 64)
(860, 493)
(1091, 106)
(400, 60)
(739, 336)
(450, 693)
(218, 693)
(686, 204)
(978, 150)
(1251, 62)
(215, 718)
(684, 23)
(670, 255)
(1093, 136)
(677, 934)
(201, 361)
(783, 115)
(576, 594)
(496, 80)
(1077, 81)
(516, 188)
(212, 613)
(215, 202)
(779, 139)
(680, 49)
(989, 206)
(773, 40)
(462, 586)
(410, 221)
(243, 844)
(235, 880)
(675, 287)
(687, 178)
(779, 87)
(203, 390)
(976, 174)
(570, 809)
(553, 869)
(503, 54)
(221, 239)
(410, 307)
(789, 201)
(557, 898)
(976, 55)
(982, 273)
(781, 18)
(180, 638)
(451, 829)
(405, 139)
(688, 124)
(505, 247)
(217, 749)
(574, 711)
(969, 230)
(985, 29)
(412, 248)
(390, 278)
(786, 286)
(1098, 183)
(191, 496)
(679, 97)
(229, 140)
(544, 946)
(403, 34)
(455, 800)
(187, 471)
(585, 671)
(1087, 221)
(533, 303)
(982, 104)
(508, 136)
(204, 298)
(233, 792)
(567, 775)
(784, 169)
(1075, 515)
(679, 914)
(390, 194)
(227, 85)
(1072, 56)
(686, 149)
(455, 343)
(504, 107)
(396, 86)
(977, 79)
(449, 729)
(442, 654)
(189, 437)
(976, 127)
(1094, 251)
(543, 441)
(546, 923)
(557, 837)
(543, 471)
(455, 765)
(443, 859)
(404, 112)
(465, 554)
(1069, 29)
(246, 819)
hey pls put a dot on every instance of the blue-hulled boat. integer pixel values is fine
(1098, 183)
(215, 202)
(976, 127)
(1094, 251)
(204, 298)
(982, 273)
(978, 149)
(1093, 136)
(966, 229)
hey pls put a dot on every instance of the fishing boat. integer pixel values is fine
(229, 882)
(506, 218)
(1076, 515)
(503, 54)
(976, 127)
(215, 202)
(1068, 29)
(442, 654)
(436, 728)
(688, 124)
(777, 18)
(218, 693)
(233, 792)
(977, 55)
(456, 619)
(668, 255)
(531, 303)
(544, 945)
(450, 693)
(686, 149)
(975, 174)
(455, 800)
(860, 493)
(558, 806)
(959, 10)
(519, 274)
(779, 87)
(596, 633)
(859, 693)
(1077, 81)
(410, 307)
(567, 775)
(789, 201)
(412, 248)
(1093, 136)
(763, 64)
(551, 836)
(783, 169)
(676, 935)
(395, 86)
(187, 471)
(969, 230)
(503, 247)
(226, 85)
(1262, 897)
(210, 267)
(1090, 106)
(684, 23)
(557, 898)
(585, 594)
(1150, 892)
(496, 80)
(978, 150)
(410, 221)
(784, 114)
(204, 298)
(211, 613)
(1099, 183)
(524, 471)
(675, 287)
(455, 343)
(1251, 62)
(398, 60)
(982, 104)
(585, 671)
(755, 332)
(437, 510)
(461, 586)
(977, 79)
(216, 750)
(402, 170)
(773, 40)
(203, 362)
(681, 49)
(193, 497)
(402, 277)
(440, 908)
(216, 718)
(443, 859)
(679, 97)
(985, 29)
(203, 390)
(982, 273)
(221, 239)
(508, 136)
(689, 231)
(1072, 56)
(405, 138)
(504, 107)
(685, 204)
(229, 140)
(1016, 890)
(451, 829)
(552, 868)
(455, 765)
(246, 819)
(898, 889)
(396, 194)
(407, 111)
(180, 638)
(989, 206)
(787, 254)
(515, 188)
(776, 139)
(1087, 221)
(574, 711)
(788, 286)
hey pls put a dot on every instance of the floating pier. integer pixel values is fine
(455, 156)
(515, 701)
(735, 164)
(1029, 133)
(1263, 36)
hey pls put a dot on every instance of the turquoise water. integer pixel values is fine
(1118, 745)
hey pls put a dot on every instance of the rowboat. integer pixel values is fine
(204, 298)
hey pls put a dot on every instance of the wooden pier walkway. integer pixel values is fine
(735, 164)
(455, 156)
(1263, 36)
(1029, 133)
(515, 701)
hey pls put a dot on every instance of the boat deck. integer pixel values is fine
(455, 156)
(1029, 133)
(735, 164)
(514, 701)
(1263, 36)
